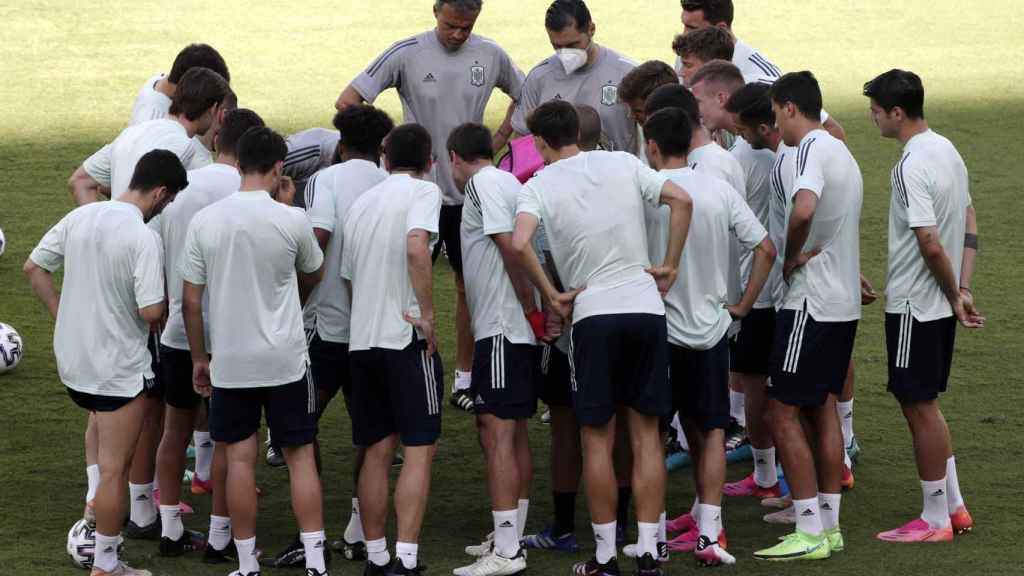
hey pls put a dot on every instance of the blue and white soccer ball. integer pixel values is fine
(10, 348)
(3, 242)
(81, 545)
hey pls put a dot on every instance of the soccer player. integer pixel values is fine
(697, 323)
(817, 325)
(591, 204)
(580, 72)
(309, 152)
(206, 186)
(638, 84)
(933, 244)
(329, 195)
(445, 78)
(248, 252)
(113, 290)
(397, 378)
(506, 324)
(694, 49)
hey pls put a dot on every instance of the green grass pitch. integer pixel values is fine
(70, 71)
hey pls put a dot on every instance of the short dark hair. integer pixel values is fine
(460, 5)
(711, 43)
(715, 11)
(722, 72)
(562, 11)
(159, 168)
(471, 142)
(752, 104)
(900, 88)
(259, 149)
(800, 88)
(198, 91)
(674, 96)
(363, 128)
(236, 123)
(556, 122)
(671, 130)
(230, 101)
(408, 147)
(590, 127)
(197, 56)
(642, 80)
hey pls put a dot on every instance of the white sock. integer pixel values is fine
(506, 532)
(521, 514)
(220, 532)
(106, 552)
(647, 538)
(407, 552)
(313, 543)
(662, 535)
(377, 552)
(845, 411)
(954, 498)
(143, 511)
(204, 454)
(354, 530)
(808, 517)
(935, 511)
(846, 459)
(737, 409)
(170, 522)
(463, 380)
(828, 505)
(93, 474)
(710, 521)
(247, 555)
(765, 473)
(695, 509)
(604, 539)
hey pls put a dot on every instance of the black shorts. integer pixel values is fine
(556, 377)
(920, 356)
(291, 412)
(700, 384)
(619, 359)
(329, 368)
(158, 388)
(396, 392)
(505, 377)
(750, 352)
(100, 403)
(810, 358)
(176, 368)
(450, 235)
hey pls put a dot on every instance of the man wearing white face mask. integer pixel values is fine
(580, 72)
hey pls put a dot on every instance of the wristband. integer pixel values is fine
(537, 322)
(971, 241)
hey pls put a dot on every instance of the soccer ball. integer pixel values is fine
(3, 242)
(10, 348)
(82, 543)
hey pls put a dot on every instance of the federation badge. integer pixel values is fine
(477, 76)
(610, 95)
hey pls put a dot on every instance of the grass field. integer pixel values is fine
(71, 69)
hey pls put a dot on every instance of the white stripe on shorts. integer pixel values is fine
(429, 382)
(796, 342)
(572, 361)
(903, 345)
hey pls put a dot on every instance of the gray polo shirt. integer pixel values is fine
(441, 89)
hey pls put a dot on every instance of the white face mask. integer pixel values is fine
(572, 58)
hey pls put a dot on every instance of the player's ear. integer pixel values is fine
(592, 30)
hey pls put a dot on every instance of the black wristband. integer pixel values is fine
(971, 241)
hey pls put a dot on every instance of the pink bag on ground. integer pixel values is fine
(522, 159)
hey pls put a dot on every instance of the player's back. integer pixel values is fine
(135, 141)
(150, 103)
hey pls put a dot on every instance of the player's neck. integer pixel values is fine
(912, 128)
(143, 202)
(593, 52)
(805, 126)
(566, 152)
(674, 163)
(227, 160)
(190, 127)
(701, 137)
(345, 156)
(410, 173)
(474, 167)
(257, 182)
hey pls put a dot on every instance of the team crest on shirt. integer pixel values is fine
(477, 75)
(610, 95)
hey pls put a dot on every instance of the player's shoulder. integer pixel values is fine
(484, 43)
(408, 42)
(542, 70)
(618, 61)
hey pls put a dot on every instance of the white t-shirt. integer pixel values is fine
(374, 259)
(695, 306)
(114, 164)
(113, 267)
(782, 177)
(929, 188)
(329, 195)
(757, 169)
(245, 249)
(829, 284)
(150, 104)
(205, 186)
(592, 207)
(490, 208)
(753, 65)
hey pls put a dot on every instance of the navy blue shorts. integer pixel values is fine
(619, 359)
(157, 390)
(810, 358)
(450, 236)
(505, 377)
(291, 410)
(396, 392)
(330, 369)
(176, 369)
(100, 403)
(920, 356)
(700, 384)
(555, 377)
(750, 352)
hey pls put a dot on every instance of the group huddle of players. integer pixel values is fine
(666, 248)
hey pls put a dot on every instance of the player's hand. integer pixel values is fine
(797, 263)
(737, 311)
(285, 192)
(425, 324)
(967, 313)
(201, 378)
(561, 303)
(867, 292)
(553, 325)
(664, 277)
